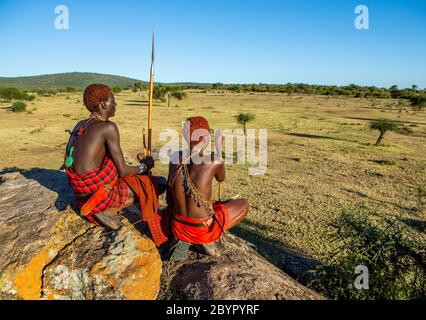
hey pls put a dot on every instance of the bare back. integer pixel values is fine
(89, 149)
(202, 175)
(98, 139)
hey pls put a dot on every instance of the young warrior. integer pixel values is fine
(95, 165)
(195, 217)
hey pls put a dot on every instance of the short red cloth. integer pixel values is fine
(90, 181)
(202, 235)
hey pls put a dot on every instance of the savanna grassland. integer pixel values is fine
(321, 158)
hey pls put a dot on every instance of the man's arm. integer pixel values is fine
(218, 161)
(112, 138)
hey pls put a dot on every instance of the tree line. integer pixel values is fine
(416, 96)
(301, 88)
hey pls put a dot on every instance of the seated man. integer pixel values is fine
(196, 218)
(95, 165)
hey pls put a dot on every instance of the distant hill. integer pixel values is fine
(78, 80)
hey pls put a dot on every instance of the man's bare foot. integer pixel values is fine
(109, 219)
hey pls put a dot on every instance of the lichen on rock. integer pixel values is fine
(55, 254)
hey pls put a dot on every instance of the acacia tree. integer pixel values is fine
(160, 93)
(139, 87)
(383, 126)
(174, 92)
(244, 118)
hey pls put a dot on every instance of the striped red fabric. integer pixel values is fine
(90, 181)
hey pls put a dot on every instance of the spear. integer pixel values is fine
(151, 91)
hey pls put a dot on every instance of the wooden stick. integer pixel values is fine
(151, 89)
(151, 92)
(145, 150)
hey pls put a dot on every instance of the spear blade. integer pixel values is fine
(152, 53)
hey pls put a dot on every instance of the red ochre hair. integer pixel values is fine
(196, 123)
(94, 95)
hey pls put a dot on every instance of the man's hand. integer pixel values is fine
(218, 141)
(148, 160)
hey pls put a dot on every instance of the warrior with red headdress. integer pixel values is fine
(103, 183)
(195, 217)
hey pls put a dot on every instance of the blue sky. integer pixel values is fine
(309, 41)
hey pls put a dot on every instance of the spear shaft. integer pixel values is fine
(151, 92)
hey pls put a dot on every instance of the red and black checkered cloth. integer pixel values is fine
(89, 182)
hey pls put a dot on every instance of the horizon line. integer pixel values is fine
(202, 83)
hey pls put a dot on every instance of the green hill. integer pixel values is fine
(78, 80)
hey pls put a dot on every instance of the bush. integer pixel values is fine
(178, 94)
(418, 102)
(159, 93)
(18, 106)
(9, 94)
(46, 92)
(70, 89)
(116, 89)
(396, 261)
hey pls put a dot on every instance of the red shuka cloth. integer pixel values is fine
(90, 181)
(205, 234)
(146, 190)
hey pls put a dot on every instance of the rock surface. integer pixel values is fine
(50, 252)
(239, 273)
(53, 254)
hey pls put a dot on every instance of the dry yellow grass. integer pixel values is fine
(320, 156)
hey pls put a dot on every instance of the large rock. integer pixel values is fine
(49, 252)
(238, 273)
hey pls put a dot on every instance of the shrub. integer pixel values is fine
(46, 92)
(418, 102)
(116, 90)
(70, 89)
(18, 106)
(395, 260)
(159, 93)
(9, 94)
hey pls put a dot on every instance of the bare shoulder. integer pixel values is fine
(108, 127)
(212, 167)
